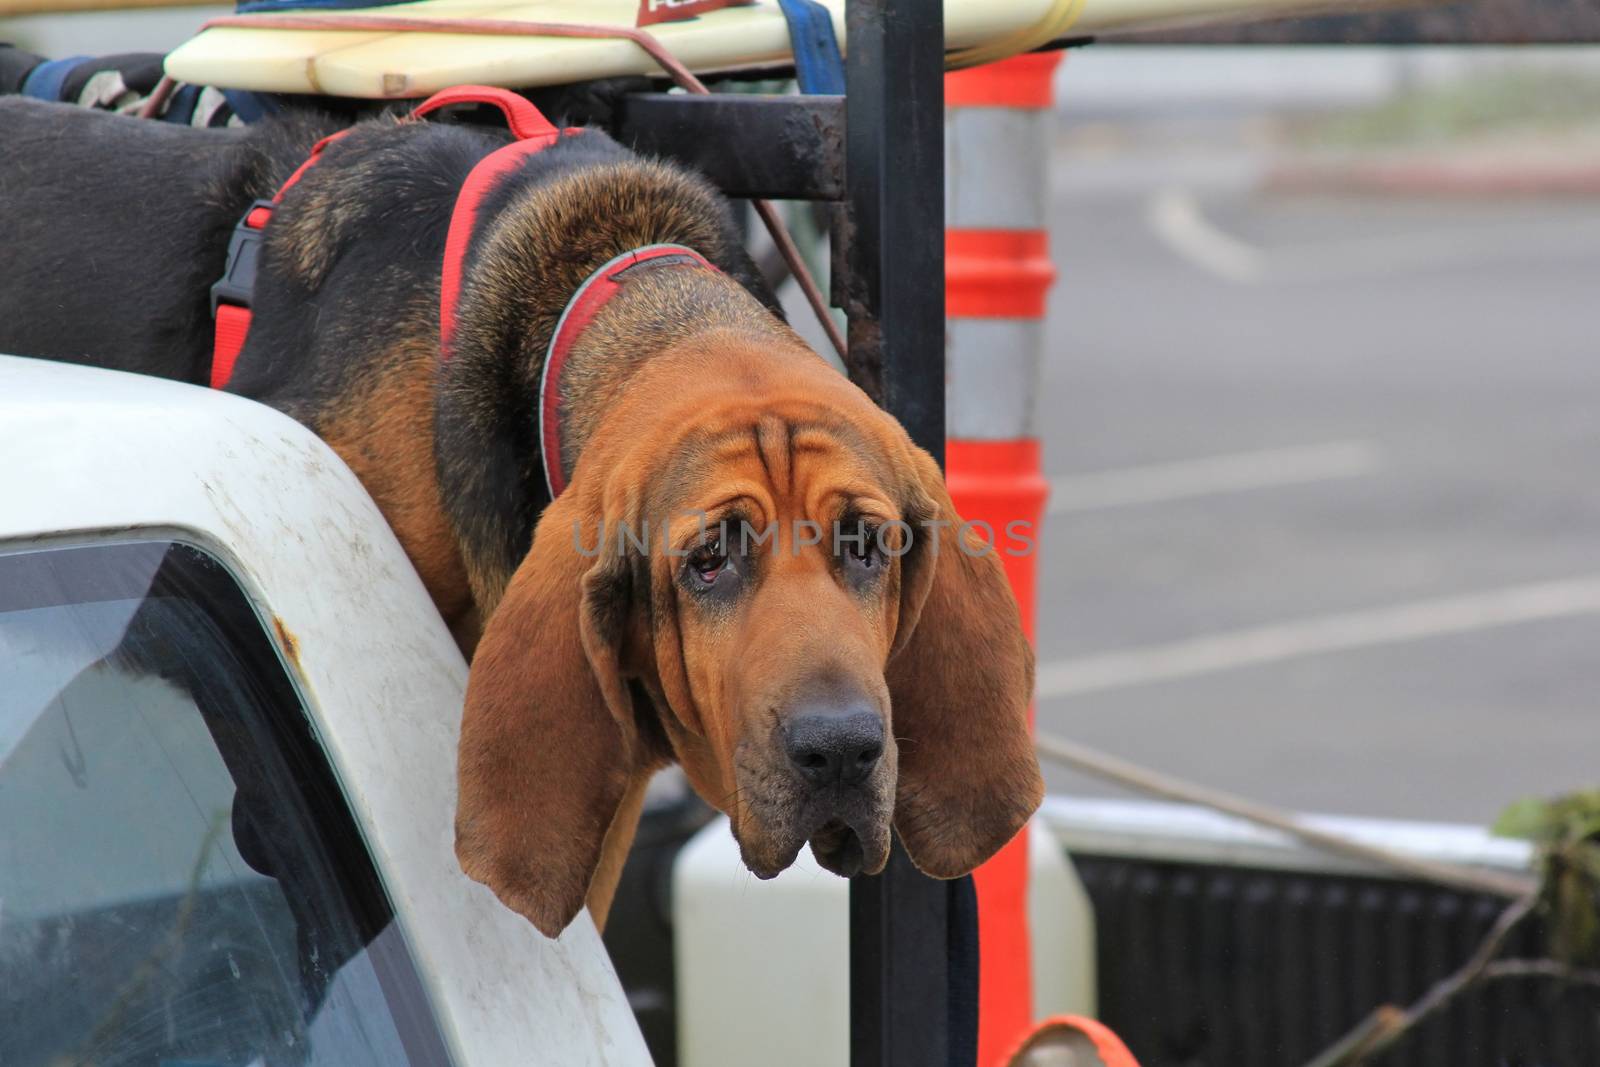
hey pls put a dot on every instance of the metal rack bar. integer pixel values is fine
(890, 244)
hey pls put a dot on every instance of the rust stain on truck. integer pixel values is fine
(288, 642)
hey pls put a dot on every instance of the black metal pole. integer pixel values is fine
(893, 247)
(890, 247)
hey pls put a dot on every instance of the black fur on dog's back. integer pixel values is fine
(113, 230)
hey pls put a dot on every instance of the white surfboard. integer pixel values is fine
(377, 64)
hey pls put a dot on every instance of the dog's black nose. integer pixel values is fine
(835, 745)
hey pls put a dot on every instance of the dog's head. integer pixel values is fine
(762, 578)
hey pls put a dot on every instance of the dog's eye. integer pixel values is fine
(709, 561)
(861, 553)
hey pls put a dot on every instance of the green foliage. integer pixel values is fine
(1566, 830)
(1489, 102)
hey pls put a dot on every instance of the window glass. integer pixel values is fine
(180, 881)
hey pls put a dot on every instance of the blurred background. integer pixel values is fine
(1320, 421)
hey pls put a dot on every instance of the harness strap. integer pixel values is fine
(231, 295)
(533, 132)
(818, 64)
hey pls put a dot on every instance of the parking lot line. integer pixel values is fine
(1340, 632)
(1176, 217)
(1230, 473)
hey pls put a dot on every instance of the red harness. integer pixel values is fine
(231, 295)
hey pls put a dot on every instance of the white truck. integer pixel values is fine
(228, 716)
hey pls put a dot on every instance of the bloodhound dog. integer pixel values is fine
(749, 569)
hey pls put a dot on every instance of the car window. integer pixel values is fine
(180, 880)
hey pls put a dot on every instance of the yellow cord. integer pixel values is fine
(1054, 24)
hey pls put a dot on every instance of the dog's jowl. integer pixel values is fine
(663, 528)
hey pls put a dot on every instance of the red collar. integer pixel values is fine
(580, 311)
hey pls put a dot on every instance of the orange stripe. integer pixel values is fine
(996, 274)
(999, 482)
(1023, 81)
(1005, 952)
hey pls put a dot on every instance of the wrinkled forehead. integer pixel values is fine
(802, 462)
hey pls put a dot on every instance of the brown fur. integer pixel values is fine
(385, 435)
(713, 397)
(591, 673)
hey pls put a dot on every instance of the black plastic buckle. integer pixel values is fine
(238, 279)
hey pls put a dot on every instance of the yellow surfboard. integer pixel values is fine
(379, 64)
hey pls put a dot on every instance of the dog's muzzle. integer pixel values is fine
(836, 752)
(825, 776)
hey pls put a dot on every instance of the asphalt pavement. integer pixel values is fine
(1325, 522)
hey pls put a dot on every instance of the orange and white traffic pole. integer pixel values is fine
(998, 133)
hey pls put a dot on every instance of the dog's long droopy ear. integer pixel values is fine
(547, 738)
(960, 678)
